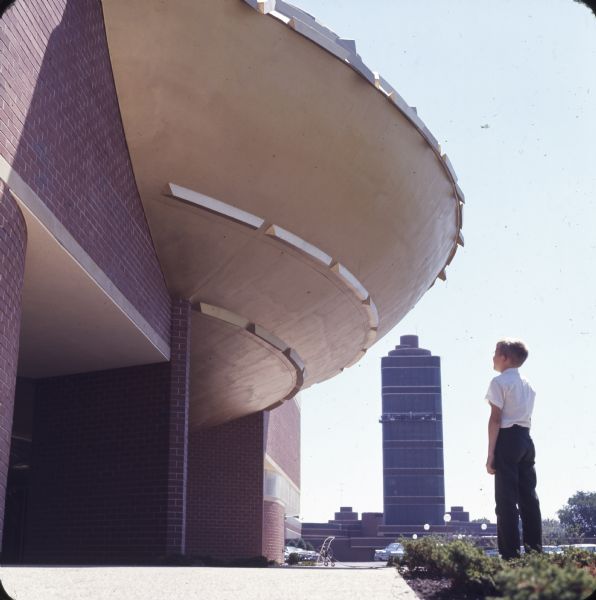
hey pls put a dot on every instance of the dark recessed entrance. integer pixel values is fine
(17, 487)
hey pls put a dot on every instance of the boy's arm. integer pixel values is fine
(494, 424)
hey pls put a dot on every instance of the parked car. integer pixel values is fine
(546, 549)
(301, 552)
(587, 547)
(394, 550)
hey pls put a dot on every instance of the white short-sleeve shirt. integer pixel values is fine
(510, 392)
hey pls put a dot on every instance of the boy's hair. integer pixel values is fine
(514, 350)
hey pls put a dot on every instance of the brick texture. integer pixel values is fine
(178, 427)
(283, 438)
(108, 476)
(98, 488)
(13, 241)
(225, 490)
(273, 531)
(60, 128)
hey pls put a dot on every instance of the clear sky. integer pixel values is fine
(508, 87)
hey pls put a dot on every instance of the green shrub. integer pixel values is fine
(427, 555)
(176, 560)
(569, 557)
(539, 577)
(293, 558)
(567, 576)
(470, 568)
(466, 565)
(251, 562)
(580, 557)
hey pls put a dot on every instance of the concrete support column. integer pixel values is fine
(273, 530)
(13, 243)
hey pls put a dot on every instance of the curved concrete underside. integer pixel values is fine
(352, 212)
(238, 358)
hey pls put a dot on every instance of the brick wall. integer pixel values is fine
(178, 427)
(225, 490)
(61, 130)
(273, 531)
(283, 438)
(109, 461)
(13, 240)
(98, 490)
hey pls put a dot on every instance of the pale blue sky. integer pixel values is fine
(527, 70)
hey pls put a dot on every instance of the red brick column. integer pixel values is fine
(225, 490)
(13, 243)
(178, 429)
(273, 531)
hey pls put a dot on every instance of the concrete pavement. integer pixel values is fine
(204, 583)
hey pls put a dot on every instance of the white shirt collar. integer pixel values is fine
(511, 371)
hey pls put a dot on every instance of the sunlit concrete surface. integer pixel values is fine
(286, 186)
(181, 583)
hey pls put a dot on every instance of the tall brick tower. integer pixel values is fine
(413, 475)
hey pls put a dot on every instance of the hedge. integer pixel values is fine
(567, 576)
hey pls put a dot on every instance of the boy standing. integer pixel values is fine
(511, 451)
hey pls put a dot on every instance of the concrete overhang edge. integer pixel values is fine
(29, 200)
(303, 247)
(345, 51)
(279, 347)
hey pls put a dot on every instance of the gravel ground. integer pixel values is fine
(438, 589)
(204, 583)
(431, 589)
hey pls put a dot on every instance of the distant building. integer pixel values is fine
(413, 472)
(413, 475)
(356, 539)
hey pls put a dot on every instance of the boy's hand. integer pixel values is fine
(490, 469)
(494, 426)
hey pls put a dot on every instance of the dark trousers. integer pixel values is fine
(515, 488)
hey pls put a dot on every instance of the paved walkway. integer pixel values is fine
(203, 583)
